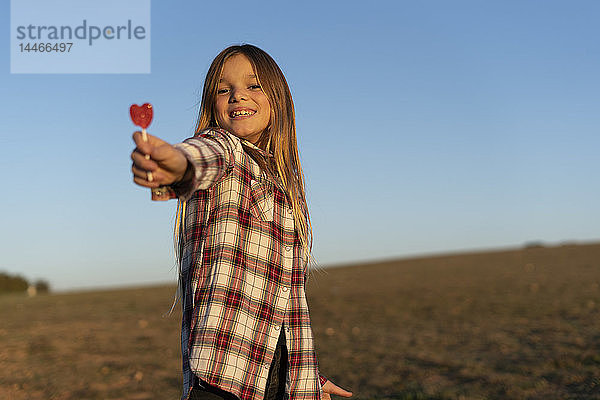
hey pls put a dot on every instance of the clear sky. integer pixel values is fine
(424, 127)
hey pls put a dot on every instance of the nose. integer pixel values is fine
(237, 95)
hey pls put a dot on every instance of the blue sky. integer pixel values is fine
(424, 127)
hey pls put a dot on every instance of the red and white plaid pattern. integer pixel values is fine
(243, 274)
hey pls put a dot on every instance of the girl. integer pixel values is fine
(242, 234)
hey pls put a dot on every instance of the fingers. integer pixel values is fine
(149, 173)
(343, 393)
(146, 178)
(145, 170)
(142, 146)
(146, 146)
(143, 166)
(145, 183)
(142, 162)
(332, 388)
(156, 162)
(152, 140)
(156, 149)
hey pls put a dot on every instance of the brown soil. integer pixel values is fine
(520, 324)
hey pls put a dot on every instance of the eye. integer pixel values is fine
(222, 91)
(257, 86)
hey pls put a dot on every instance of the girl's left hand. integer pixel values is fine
(330, 388)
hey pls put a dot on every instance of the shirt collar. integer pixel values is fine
(252, 145)
(249, 144)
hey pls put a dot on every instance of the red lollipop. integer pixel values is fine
(141, 115)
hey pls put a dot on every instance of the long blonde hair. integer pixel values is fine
(279, 138)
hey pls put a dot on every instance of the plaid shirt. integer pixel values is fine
(243, 274)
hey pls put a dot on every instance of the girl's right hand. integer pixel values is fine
(330, 388)
(167, 164)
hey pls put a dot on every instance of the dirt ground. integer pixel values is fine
(520, 324)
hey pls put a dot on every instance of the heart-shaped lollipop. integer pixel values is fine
(141, 115)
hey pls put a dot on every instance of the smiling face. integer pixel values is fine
(241, 106)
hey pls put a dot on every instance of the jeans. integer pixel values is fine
(275, 382)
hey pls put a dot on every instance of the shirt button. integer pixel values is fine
(276, 327)
(288, 248)
(289, 210)
(284, 289)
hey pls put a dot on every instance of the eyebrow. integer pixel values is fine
(247, 76)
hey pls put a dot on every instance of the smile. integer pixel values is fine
(241, 113)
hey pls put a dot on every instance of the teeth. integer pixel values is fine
(242, 112)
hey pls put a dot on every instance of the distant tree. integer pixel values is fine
(41, 286)
(534, 244)
(12, 283)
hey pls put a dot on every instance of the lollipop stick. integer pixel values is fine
(147, 156)
(145, 139)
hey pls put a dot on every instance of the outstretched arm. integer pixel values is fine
(197, 163)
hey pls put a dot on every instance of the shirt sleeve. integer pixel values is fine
(210, 155)
(322, 380)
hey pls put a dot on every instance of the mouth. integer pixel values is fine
(240, 113)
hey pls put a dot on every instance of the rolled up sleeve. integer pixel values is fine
(210, 155)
